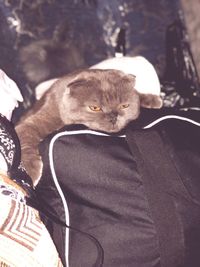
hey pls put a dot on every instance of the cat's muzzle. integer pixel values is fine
(113, 117)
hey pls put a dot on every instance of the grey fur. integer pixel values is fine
(71, 101)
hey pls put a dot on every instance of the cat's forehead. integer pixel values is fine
(103, 80)
(108, 76)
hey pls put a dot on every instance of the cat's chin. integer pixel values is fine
(114, 129)
(107, 127)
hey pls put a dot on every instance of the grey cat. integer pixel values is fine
(102, 100)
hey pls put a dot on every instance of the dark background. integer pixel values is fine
(43, 39)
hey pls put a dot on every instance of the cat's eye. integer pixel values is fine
(123, 106)
(95, 108)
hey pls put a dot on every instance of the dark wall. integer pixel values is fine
(42, 39)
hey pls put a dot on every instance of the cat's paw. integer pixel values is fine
(34, 169)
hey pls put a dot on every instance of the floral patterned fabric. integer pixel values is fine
(7, 145)
(24, 239)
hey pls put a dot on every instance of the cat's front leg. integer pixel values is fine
(31, 160)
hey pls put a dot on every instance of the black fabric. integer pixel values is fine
(182, 144)
(11, 152)
(180, 82)
(107, 198)
(148, 148)
(9, 143)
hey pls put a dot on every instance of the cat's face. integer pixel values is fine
(103, 100)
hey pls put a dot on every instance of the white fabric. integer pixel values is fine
(9, 95)
(24, 239)
(3, 164)
(147, 80)
(43, 87)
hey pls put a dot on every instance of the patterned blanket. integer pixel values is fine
(24, 239)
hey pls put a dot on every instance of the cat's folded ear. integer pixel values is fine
(69, 86)
(150, 101)
(67, 90)
(75, 84)
(132, 78)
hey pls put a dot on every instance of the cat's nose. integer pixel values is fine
(113, 117)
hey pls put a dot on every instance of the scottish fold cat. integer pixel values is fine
(103, 100)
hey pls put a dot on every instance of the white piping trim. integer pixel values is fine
(171, 117)
(190, 108)
(76, 132)
(55, 179)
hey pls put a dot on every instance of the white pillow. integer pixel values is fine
(9, 95)
(146, 77)
(147, 80)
